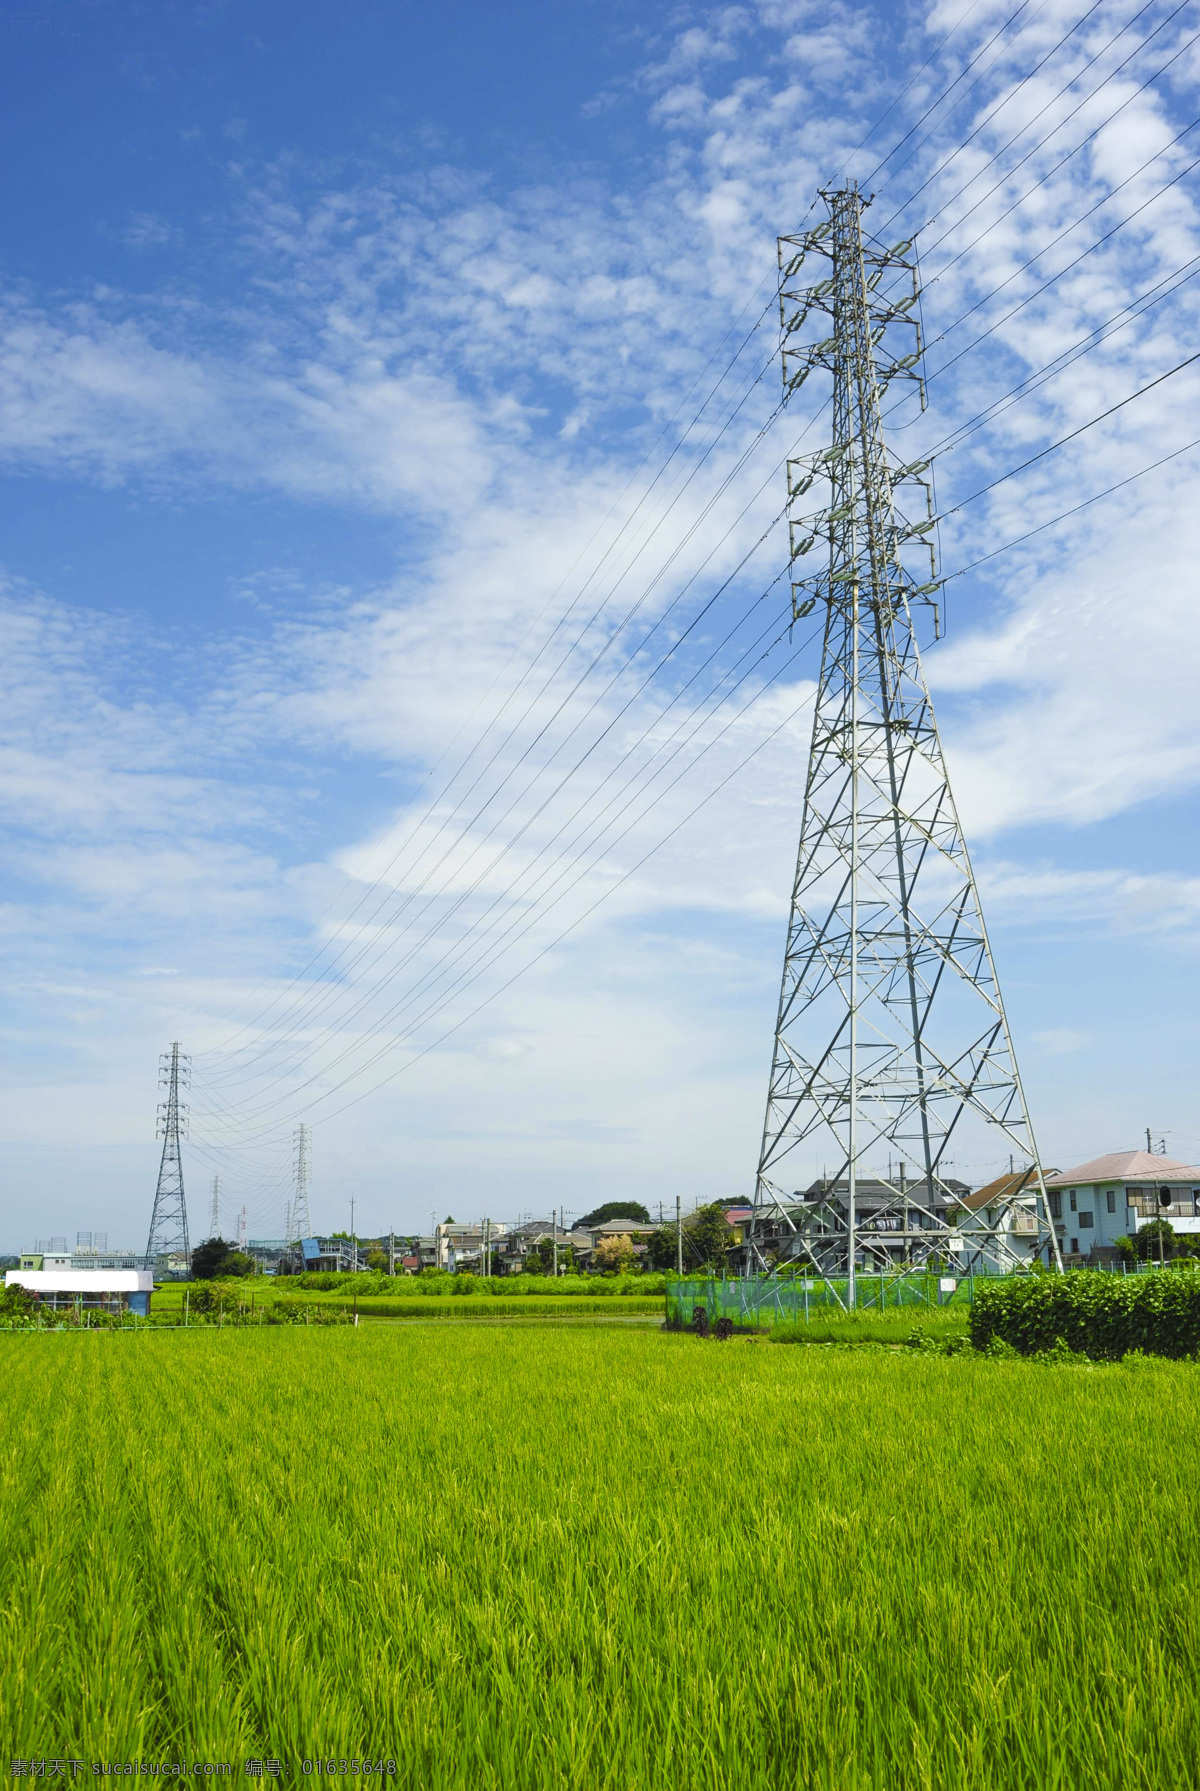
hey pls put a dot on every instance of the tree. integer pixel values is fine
(1155, 1240)
(1126, 1249)
(614, 1256)
(377, 1260)
(215, 1257)
(208, 1257)
(707, 1239)
(661, 1248)
(618, 1209)
(539, 1258)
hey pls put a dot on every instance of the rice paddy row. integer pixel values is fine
(598, 1557)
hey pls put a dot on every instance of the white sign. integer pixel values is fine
(947, 1284)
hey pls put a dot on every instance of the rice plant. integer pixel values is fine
(598, 1558)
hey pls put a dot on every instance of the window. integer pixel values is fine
(1196, 1200)
(1073, 1202)
(1111, 1197)
(1055, 1204)
(1074, 1246)
(1086, 1221)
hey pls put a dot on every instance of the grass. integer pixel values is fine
(894, 1326)
(169, 1300)
(599, 1558)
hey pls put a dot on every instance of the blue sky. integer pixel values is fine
(343, 351)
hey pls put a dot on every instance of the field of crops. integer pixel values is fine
(606, 1557)
(401, 1301)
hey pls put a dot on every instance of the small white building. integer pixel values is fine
(92, 1290)
(1093, 1205)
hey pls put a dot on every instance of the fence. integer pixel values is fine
(766, 1300)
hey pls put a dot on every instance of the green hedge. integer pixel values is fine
(1102, 1316)
(439, 1286)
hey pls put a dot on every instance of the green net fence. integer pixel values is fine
(765, 1300)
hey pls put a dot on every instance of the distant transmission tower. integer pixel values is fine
(891, 1039)
(300, 1225)
(168, 1222)
(214, 1223)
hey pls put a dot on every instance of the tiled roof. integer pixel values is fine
(1005, 1187)
(1127, 1166)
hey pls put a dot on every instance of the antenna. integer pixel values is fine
(168, 1222)
(891, 1037)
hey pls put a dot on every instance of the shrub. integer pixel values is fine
(1100, 1316)
(16, 1301)
(614, 1256)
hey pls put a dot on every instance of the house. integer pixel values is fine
(1109, 1197)
(465, 1246)
(1006, 1208)
(511, 1252)
(89, 1290)
(895, 1222)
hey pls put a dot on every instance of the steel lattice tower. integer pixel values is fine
(168, 1223)
(891, 1039)
(299, 1223)
(214, 1222)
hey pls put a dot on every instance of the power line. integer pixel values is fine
(1130, 479)
(1041, 143)
(1003, 101)
(1073, 436)
(1054, 445)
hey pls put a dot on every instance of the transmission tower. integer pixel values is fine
(300, 1225)
(168, 1222)
(214, 1223)
(891, 1039)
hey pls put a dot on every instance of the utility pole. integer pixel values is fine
(353, 1240)
(678, 1237)
(554, 1223)
(242, 1229)
(890, 1033)
(391, 1253)
(168, 1221)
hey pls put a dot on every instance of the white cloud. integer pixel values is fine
(1061, 1041)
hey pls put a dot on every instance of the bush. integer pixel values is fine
(16, 1301)
(1099, 1316)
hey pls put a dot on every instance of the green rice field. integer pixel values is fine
(598, 1557)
